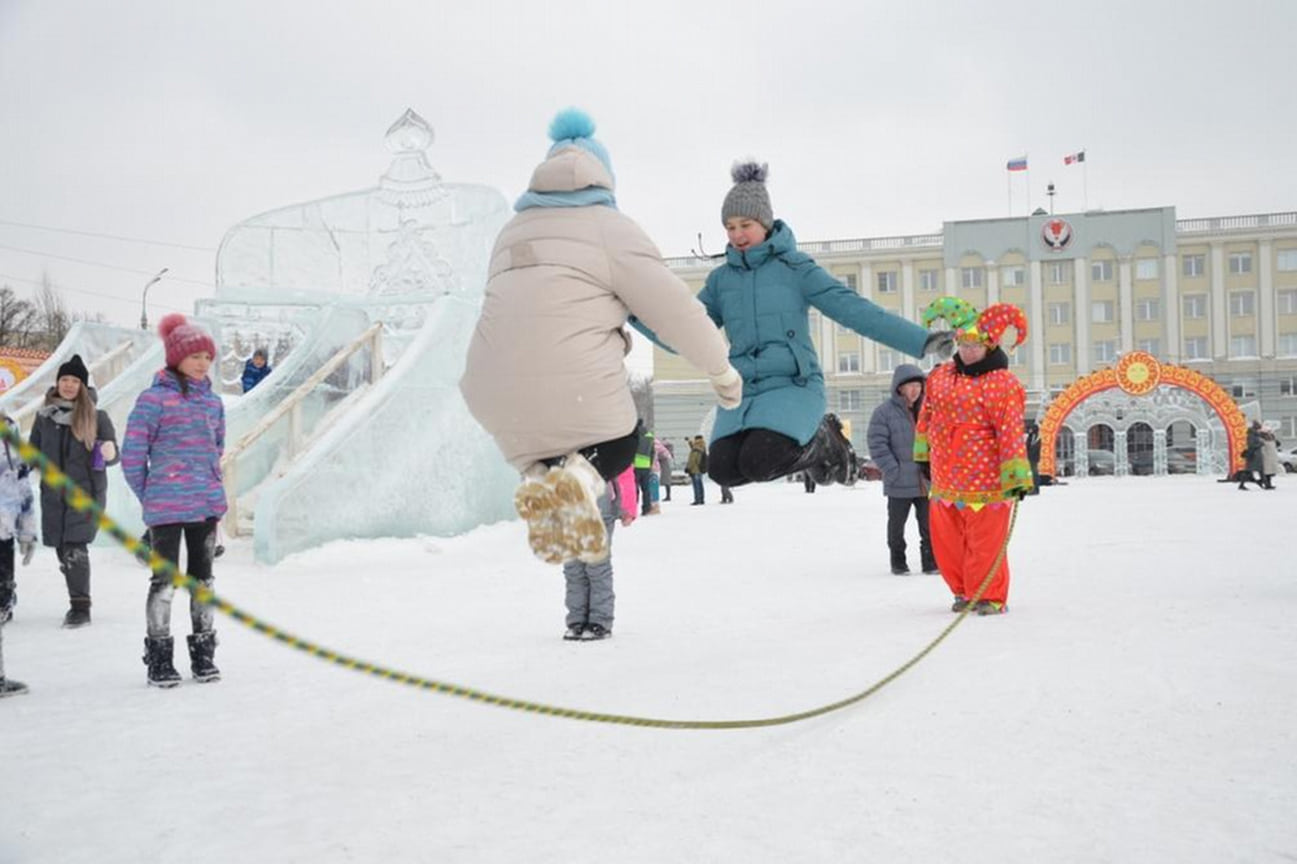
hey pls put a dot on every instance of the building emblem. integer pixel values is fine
(1056, 233)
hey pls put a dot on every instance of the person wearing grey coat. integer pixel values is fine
(891, 446)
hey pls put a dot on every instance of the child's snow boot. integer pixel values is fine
(202, 647)
(561, 508)
(78, 615)
(10, 687)
(157, 656)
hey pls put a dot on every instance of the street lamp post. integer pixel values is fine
(144, 299)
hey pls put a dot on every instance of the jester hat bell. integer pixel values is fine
(987, 326)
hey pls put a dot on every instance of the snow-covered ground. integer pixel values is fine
(1139, 703)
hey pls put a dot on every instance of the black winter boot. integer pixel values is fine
(10, 687)
(202, 646)
(78, 615)
(829, 457)
(157, 656)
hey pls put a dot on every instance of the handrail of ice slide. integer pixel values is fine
(107, 350)
(405, 459)
(291, 406)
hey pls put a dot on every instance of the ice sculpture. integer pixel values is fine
(381, 444)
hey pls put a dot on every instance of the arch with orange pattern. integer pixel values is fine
(1139, 373)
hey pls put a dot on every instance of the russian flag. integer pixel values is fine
(1071, 158)
(1019, 164)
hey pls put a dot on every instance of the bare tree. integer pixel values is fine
(52, 319)
(17, 320)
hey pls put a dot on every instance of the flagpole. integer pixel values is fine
(1028, 173)
(1008, 186)
(1085, 181)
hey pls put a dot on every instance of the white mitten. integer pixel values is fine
(729, 387)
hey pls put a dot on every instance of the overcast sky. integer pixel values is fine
(172, 121)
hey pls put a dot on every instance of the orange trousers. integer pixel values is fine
(966, 542)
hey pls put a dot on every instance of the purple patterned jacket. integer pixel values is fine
(172, 451)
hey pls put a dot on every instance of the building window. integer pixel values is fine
(1059, 272)
(1240, 262)
(848, 279)
(1287, 303)
(849, 362)
(1195, 305)
(1195, 348)
(1146, 268)
(849, 400)
(1148, 309)
(970, 277)
(1101, 311)
(886, 360)
(1101, 271)
(1286, 260)
(1060, 313)
(1288, 345)
(1241, 303)
(1149, 346)
(1105, 351)
(1242, 346)
(1060, 354)
(887, 282)
(1193, 265)
(1015, 276)
(1244, 388)
(929, 280)
(1288, 385)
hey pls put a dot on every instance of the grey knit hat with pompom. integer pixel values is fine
(749, 197)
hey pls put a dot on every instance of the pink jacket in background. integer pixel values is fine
(626, 493)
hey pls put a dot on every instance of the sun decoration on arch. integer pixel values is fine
(1139, 374)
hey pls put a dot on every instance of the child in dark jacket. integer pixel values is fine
(17, 523)
(78, 439)
(171, 459)
(256, 369)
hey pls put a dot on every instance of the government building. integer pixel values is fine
(1217, 295)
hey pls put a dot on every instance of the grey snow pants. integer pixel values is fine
(590, 596)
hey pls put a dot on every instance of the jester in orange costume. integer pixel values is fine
(970, 439)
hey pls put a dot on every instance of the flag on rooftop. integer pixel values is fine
(1078, 156)
(1018, 164)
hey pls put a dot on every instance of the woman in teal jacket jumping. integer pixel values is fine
(761, 296)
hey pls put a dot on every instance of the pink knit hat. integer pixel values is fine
(183, 339)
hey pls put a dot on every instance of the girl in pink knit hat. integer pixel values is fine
(171, 458)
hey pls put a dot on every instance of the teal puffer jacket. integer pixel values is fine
(762, 297)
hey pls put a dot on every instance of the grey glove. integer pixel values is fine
(940, 345)
(28, 548)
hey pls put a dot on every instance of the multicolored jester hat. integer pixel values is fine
(987, 326)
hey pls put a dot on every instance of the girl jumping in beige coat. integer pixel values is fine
(545, 374)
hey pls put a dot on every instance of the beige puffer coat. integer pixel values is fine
(545, 373)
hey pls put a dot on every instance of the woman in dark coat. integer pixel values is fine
(79, 440)
(1254, 467)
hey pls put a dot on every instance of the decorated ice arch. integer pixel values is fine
(1142, 416)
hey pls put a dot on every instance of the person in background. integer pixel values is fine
(171, 458)
(17, 523)
(970, 433)
(665, 465)
(762, 296)
(891, 446)
(79, 440)
(696, 467)
(1269, 457)
(255, 370)
(1254, 466)
(590, 598)
(545, 373)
